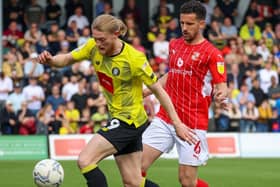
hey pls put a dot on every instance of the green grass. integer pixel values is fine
(218, 172)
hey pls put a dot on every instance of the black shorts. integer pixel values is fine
(125, 138)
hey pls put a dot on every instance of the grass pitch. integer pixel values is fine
(219, 173)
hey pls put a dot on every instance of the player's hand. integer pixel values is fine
(187, 134)
(221, 100)
(45, 57)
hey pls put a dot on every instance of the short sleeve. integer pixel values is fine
(217, 67)
(84, 51)
(143, 70)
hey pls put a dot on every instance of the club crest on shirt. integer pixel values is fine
(180, 62)
(115, 71)
(195, 56)
(221, 67)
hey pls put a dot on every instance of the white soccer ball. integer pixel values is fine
(48, 173)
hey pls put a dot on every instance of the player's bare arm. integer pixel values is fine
(182, 131)
(221, 95)
(162, 81)
(60, 60)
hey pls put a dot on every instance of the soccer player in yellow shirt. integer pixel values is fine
(121, 71)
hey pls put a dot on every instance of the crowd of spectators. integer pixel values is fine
(38, 99)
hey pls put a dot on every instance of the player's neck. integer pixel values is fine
(197, 40)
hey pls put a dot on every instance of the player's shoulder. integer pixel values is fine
(176, 41)
(132, 53)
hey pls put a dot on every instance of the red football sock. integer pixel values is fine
(144, 174)
(201, 183)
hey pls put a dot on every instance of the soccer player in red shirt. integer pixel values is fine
(196, 73)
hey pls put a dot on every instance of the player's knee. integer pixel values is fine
(187, 181)
(83, 161)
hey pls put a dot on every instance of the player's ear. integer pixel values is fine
(202, 24)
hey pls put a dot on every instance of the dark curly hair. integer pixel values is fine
(195, 7)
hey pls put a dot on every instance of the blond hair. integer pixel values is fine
(108, 23)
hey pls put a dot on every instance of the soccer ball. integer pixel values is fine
(48, 173)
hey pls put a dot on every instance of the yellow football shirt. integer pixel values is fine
(121, 77)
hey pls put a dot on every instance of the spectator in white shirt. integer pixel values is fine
(80, 19)
(16, 97)
(6, 86)
(34, 95)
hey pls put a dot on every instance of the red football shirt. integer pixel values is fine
(193, 69)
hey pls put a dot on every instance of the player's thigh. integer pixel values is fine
(96, 149)
(190, 154)
(130, 168)
(149, 156)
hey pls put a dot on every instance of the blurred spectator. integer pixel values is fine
(26, 49)
(162, 69)
(136, 43)
(59, 119)
(33, 34)
(55, 99)
(245, 67)
(85, 123)
(228, 8)
(16, 97)
(85, 35)
(130, 11)
(6, 86)
(46, 83)
(263, 50)
(43, 44)
(209, 11)
(234, 115)
(100, 118)
(79, 18)
(244, 97)
(234, 76)
(274, 89)
(269, 36)
(95, 98)
(53, 11)
(72, 115)
(70, 88)
(228, 30)
(255, 58)
(217, 15)
(221, 120)
(52, 36)
(215, 35)
(34, 95)
(132, 30)
(161, 48)
(99, 7)
(250, 30)
(265, 76)
(276, 12)
(152, 36)
(258, 93)
(71, 5)
(12, 67)
(253, 12)
(73, 33)
(173, 30)
(33, 13)
(8, 119)
(80, 98)
(45, 118)
(27, 121)
(32, 68)
(14, 35)
(250, 114)
(266, 12)
(108, 9)
(163, 18)
(277, 34)
(14, 12)
(265, 116)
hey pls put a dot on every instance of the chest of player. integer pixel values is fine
(188, 61)
(112, 72)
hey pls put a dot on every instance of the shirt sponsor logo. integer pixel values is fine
(180, 62)
(221, 67)
(106, 82)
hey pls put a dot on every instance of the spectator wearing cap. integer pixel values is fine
(31, 68)
(16, 97)
(8, 120)
(6, 86)
(34, 95)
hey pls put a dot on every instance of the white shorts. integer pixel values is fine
(162, 136)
